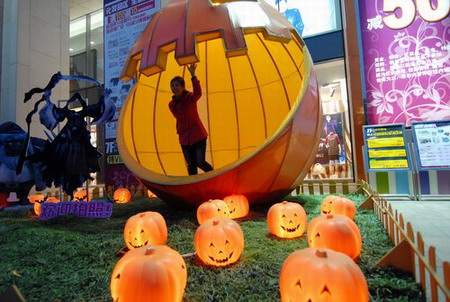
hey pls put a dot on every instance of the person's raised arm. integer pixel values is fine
(195, 82)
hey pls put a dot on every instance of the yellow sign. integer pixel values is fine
(386, 142)
(388, 164)
(387, 153)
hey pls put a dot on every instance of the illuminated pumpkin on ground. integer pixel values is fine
(322, 275)
(212, 208)
(338, 205)
(219, 241)
(37, 204)
(82, 195)
(287, 220)
(36, 197)
(336, 232)
(147, 228)
(238, 205)
(149, 273)
(260, 102)
(122, 195)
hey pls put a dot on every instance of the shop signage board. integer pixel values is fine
(432, 144)
(406, 50)
(124, 20)
(386, 148)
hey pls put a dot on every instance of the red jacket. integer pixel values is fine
(190, 128)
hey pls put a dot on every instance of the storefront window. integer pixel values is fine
(334, 158)
(310, 18)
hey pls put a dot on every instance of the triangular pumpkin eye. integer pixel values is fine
(283, 216)
(325, 290)
(218, 210)
(317, 235)
(211, 245)
(118, 276)
(142, 231)
(295, 214)
(299, 284)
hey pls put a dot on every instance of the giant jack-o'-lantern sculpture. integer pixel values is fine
(259, 105)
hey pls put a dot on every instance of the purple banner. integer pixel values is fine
(406, 47)
(93, 209)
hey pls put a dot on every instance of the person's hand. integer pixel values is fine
(192, 68)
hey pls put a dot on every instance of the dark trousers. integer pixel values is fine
(195, 157)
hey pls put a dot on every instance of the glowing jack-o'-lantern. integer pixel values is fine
(149, 273)
(336, 232)
(338, 205)
(322, 275)
(36, 198)
(147, 228)
(212, 208)
(260, 102)
(122, 195)
(238, 205)
(219, 241)
(82, 195)
(37, 204)
(287, 220)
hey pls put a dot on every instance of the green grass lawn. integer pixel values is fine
(71, 258)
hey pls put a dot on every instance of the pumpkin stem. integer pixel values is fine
(284, 202)
(330, 216)
(150, 251)
(142, 215)
(321, 254)
(216, 222)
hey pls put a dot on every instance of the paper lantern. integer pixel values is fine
(336, 232)
(82, 195)
(219, 241)
(147, 228)
(212, 208)
(287, 220)
(122, 195)
(322, 275)
(149, 273)
(36, 197)
(37, 204)
(238, 205)
(338, 205)
(260, 102)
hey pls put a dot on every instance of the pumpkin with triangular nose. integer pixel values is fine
(259, 104)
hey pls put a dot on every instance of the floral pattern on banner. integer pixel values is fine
(407, 70)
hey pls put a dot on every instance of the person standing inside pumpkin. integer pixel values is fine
(192, 134)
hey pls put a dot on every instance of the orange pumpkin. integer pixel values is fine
(37, 204)
(336, 232)
(122, 195)
(322, 275)
(287, 220)
(212, 208)
(338, 205)
(147, 228)
(219, 241)
(238, 205)
(36, 197)
(82, 195)
(149, 273)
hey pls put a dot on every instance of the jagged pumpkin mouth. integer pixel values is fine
(138, 245)
(290, 230)
(326, 212)
(221, 261)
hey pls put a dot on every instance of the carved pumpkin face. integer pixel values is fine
(322, 275)
(37, 204)
(150, 273)
(336, 232)
(147, 228)
(219, 241)
(212, 208)
(122, 195)
(338, 205)
(36, 197)
(238, 205)
(82, 195)
(287, 220)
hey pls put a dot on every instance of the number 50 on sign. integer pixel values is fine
(407, 11)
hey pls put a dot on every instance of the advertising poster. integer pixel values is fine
(124, 20)
(406, 49)
(309, 17)
(385, 148)
(432, 144)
